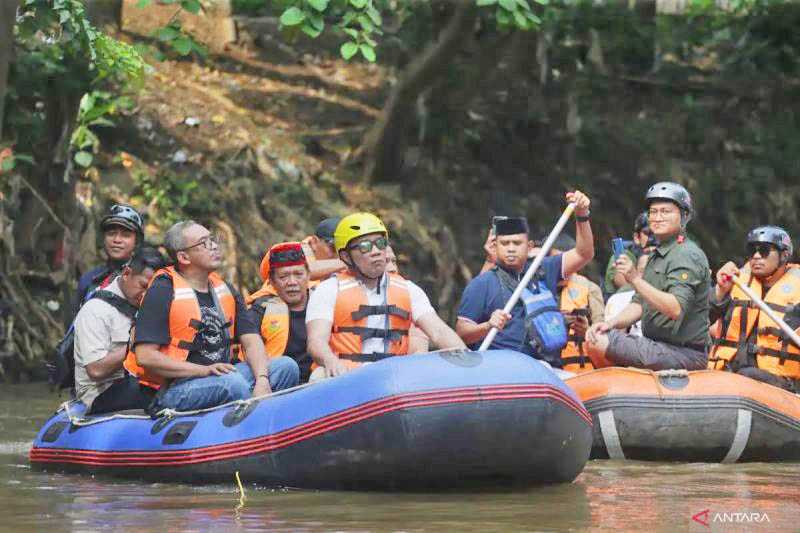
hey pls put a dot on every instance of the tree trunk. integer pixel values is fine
(384, 143)
(8, 12)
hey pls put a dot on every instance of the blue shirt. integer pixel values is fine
(485, 294)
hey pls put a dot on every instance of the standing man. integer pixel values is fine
(279, 306)
(750, 342)
(187, 325)
(320, 251)
(102, 332)
(365, 313)
(483, 300)
(123, 230)
(671, 295)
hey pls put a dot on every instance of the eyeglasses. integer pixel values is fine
(209, 242)
(365, 247)
(763, 249)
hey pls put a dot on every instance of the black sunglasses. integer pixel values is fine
(763, 249)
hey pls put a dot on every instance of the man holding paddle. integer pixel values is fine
(671, 296)
(525, 328)
(748, 340)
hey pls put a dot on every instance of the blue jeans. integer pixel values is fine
(200, 393)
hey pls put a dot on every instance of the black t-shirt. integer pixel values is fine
(297, 345)
(211, 343)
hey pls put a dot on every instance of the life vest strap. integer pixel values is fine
(780, 354)
(576, 338)
(724, 342)
(581, 360)
(368, 310)
(366, 357)
(752, 305)
(540, 310)
(374, 333)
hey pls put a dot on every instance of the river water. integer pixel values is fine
(608, 495)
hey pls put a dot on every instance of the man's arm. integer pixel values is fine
(323, 268)
(256, 357)
(629, 315)
(319, 335)
(441, 335)
(112, 362)
(577, 258)
(152, 360)
(470, 332)
(663, 302)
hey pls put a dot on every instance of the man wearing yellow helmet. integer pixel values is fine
(364, 314)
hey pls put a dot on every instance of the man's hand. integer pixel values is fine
(262, 386)
(581, 202)
(499, 319)
(489, 247)
(580, 324)
(219, 369)
(625, 266)
(597, 329)
(725, 277)
(335, 367)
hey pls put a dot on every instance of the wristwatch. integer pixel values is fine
(583, 218)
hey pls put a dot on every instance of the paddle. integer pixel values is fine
(764, 307)
(548, 243)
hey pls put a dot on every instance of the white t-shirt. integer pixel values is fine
(99, 328)
(614, 306)
(322, 302)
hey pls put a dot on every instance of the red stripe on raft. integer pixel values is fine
(306, 431)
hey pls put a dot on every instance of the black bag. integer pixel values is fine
(61, 370)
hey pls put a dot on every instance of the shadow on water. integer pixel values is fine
(608, 496)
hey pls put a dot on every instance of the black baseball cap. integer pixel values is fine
(326, 228)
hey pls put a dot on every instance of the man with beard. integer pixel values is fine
(280, 305)
(748, 341)
(364, 314)
(189, 320)
(484, 298)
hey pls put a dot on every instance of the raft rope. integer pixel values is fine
(172, 413)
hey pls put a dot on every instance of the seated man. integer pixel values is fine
(102, 332)
(671, 295)
(418, 342)
(280, 305)
(760, 350)
(364, 314)
(187, 325)
(484, 298)
(320, 252)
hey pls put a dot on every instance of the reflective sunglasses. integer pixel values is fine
(209, 242)
(763, 249)
(365, 247)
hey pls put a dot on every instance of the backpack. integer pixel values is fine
(61, 370)
(546, 329)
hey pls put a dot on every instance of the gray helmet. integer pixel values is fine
(674, 192)
(773, 235)
(125, 216)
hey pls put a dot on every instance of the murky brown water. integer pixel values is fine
(619, 496)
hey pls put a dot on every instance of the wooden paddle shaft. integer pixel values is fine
(537, 262)
(764, 307)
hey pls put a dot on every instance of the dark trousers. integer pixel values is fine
(123, 394)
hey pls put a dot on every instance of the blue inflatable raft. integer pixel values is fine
(449, 420)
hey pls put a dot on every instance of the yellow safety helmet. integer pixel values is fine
(355, 226)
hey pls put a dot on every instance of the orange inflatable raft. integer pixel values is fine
(675, 415)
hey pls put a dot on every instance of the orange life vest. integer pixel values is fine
(352, 310)
(276, 319)
(774, 352)
(184, 320)
(574, 298)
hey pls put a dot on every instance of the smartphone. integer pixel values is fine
(617, 247)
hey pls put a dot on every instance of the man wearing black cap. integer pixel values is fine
(123, 230)
(483, 300)
(323, 260)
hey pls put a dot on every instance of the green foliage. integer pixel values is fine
(179, 41)
(95, 109)
(174, 196)
(360, 22)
